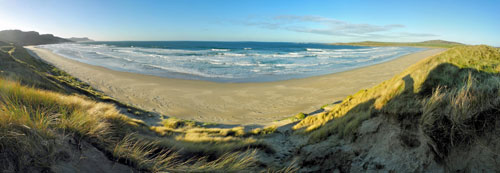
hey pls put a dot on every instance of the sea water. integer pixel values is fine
(227, 61)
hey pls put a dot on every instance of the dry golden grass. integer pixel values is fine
(456, 116)
(29, 117)
(51, 115)
(403, 96)
(454, 96)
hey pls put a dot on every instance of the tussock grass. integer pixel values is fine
(456, 116)
(151, 155)
(186, 130)
(454, 97)
(175, 123)
(409, 95)
(291, 167)
(214, 140)
(18, 65)
(137, 152)
(14, 69)
(297, 117)
(47, 115)
(232, 162)
(53, 115)
(30, 118)
(265, 130)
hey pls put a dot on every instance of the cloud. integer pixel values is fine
(331, 27)
(408, 34)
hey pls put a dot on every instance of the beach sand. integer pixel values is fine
(231, 103)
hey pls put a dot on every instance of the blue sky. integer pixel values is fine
(471, 22)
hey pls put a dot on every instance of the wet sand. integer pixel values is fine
(231, 103)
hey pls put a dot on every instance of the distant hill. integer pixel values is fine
(440, 42)
(29, 38)
(79, 39)
(429, 43)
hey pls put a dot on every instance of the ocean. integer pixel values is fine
(227, 61)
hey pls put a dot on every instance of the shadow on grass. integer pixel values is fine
(464, 107)
(407, 108)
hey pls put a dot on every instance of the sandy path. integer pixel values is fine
(230, 103)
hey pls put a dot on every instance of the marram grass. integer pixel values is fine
(445, 79)
(30, 118)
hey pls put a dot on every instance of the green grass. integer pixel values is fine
(36, 110)
(16, 70)
(18, 65)
(265, 130)
(454, 97)
(29, 118)
(175, 123)
(431, 43)
(42, 115)
(297, 117)
(458, 87)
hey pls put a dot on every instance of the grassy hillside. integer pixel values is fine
(454, 97)
(29, 38)
(18, 65)
(33, 122)
(49, 120)
(30, 73)
(430, 43)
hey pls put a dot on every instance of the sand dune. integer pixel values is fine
(230, 103)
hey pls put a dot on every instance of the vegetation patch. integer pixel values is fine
(175, 123)
(462, 78)
(265, 131)
(32, 120)
(453, 97)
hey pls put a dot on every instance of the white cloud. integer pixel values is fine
(332, 27)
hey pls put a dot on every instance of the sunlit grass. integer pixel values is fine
(29, 117)
(52, 115)
(408, 94)
(454, 96)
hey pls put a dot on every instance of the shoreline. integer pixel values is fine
(231, 103)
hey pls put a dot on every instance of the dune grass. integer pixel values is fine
(297, 117)
(18, 65)
(454, 97)
(456, 86)
(30, 118)
(16, 70)
(38, 116)
(455, 116)
(53, 115)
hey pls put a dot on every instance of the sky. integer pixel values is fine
(470, 22)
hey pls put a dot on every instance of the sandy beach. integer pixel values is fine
(231, 103)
